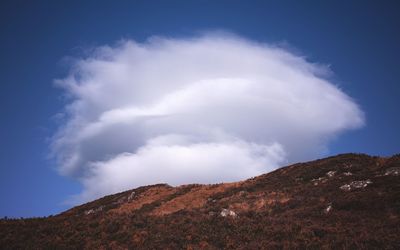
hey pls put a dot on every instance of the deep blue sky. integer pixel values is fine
(360, 40)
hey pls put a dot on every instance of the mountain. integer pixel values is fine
(349, 201)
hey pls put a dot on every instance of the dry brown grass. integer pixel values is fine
(149, 196)
(196, 198)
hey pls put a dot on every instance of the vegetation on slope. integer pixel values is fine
(347, 201)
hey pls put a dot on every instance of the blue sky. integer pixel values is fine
(360, 43)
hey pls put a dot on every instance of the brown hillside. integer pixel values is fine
(348, 201)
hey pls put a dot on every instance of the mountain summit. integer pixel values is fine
(349, 201)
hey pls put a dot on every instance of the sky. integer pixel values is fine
(96, 96)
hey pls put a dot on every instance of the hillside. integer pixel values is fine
(349, 201)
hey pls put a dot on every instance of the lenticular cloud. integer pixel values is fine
(208, 109)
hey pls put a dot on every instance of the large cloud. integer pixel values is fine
(207, 109)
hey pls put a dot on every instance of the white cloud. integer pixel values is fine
(177, 163)
(207, 109)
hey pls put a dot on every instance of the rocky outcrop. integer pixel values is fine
(355, 185)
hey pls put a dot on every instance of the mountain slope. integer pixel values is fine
(346, 201)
